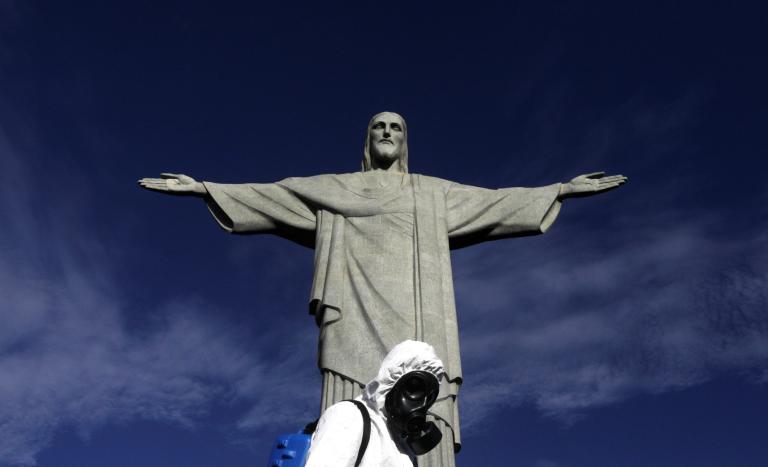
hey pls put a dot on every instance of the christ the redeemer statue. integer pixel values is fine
(382, 239)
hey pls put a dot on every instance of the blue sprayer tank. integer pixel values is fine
(290, 450)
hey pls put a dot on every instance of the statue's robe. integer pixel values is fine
(382, 246)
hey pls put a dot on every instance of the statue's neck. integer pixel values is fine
(385, 164)
(394, 167)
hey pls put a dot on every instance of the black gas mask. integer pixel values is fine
(407, 404)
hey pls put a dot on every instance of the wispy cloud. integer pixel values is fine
(67, 357)
(594, 314)
(546, 463)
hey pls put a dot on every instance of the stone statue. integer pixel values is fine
(382, 239)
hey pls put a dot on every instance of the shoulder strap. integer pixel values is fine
(366, 431)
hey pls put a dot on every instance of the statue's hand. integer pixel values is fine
(590, 184)
(174, 184)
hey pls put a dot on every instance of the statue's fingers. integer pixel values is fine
(611, 183)
(155, 181)
(609, 186)
(612, 178)
(155, 185)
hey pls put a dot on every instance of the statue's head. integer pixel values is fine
(386, 143)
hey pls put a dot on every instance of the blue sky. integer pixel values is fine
(135, 332)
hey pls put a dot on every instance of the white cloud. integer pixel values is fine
(68, 359)
(546, 463)
(581, 320)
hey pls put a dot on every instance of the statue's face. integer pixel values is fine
(387, 134)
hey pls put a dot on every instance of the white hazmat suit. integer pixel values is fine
(339, 432)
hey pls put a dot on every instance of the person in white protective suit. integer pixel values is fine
(397, 401)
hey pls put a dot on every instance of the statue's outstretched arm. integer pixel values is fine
(590, 184)
(174, 184)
